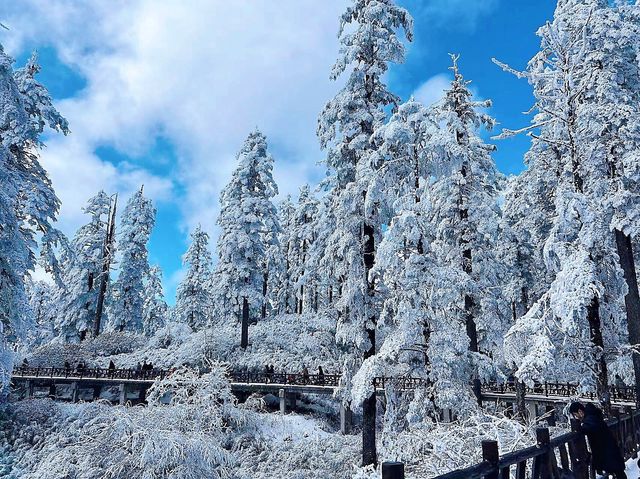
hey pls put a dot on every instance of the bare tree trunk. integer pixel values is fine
(467, 267)
(521, 403)
(106, 265)
(472, 332)
(265, 279)
(602, 383)
(369, 407)
(519, 308)
(300, 300)
(631, 300)
(244, 339)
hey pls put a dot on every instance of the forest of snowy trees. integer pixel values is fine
(414, 256)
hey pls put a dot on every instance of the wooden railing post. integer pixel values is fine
(490, 454)
(542, 463)
(392, 470)
(578, 452)
(634, 424)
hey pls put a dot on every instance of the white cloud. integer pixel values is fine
(201, 73)
(433, 89)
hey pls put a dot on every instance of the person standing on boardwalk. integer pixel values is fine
(605, 452)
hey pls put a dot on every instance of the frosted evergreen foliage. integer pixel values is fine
(28, 205)
(42, 308)
(78, 297)
(154, 308)
(248, 243)
(465, 218)
(126, 309)
(369, 42)
(576, 95)
(285, 296)
(304, 235)
(193, 296)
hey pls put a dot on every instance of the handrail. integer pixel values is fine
(618, 393)
(571, 449)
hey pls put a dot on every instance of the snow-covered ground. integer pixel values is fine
(633, 471)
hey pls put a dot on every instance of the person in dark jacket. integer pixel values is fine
(605, 452)
(320, 376)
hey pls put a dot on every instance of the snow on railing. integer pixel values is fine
(618, 393)
(89, 373)
(562, 456)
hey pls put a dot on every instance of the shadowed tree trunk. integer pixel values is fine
(106, 265)
(467, 266)
(602, 383)
(369, 408)
(631, 300)
(244, 339)
(519, 308)
(265, 280)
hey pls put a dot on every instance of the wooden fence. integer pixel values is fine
(565, 456)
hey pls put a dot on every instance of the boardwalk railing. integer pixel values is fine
(563, 456)
(293, 379)
(565, 390)
(618, 393)
(90, 373)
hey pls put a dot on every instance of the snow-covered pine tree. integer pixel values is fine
(345, 127)
(404, 263)
(320, 262)
(154, 307)
(42, 313)
(303, 234)
(127, 294)
(569, 331)
(285, 295)
(28, 204)
(193, 296)
(248, 242)
(610, 114)
(465, 218)
(82, 272)
(39, 106)
(527, 217)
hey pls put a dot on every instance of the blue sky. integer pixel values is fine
(163, 94)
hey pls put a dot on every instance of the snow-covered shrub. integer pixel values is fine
(95, 352)
(190, 438)
(433, 447)
(289, 342)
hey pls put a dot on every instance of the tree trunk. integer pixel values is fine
(467, 262)
(631, 300)
(106, 265)
(369, 408)
(518, 309)
(521, 404)
(300, 300)
(244, 339)
(265, 279)
(473, 343)
(602, 383)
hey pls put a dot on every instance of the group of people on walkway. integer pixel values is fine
(318, 379)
